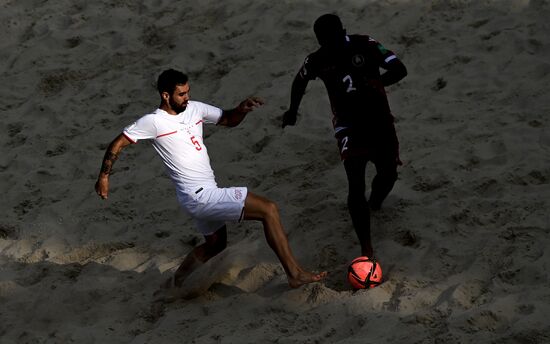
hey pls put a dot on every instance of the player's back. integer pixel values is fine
(352, 78)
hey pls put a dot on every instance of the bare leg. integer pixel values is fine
(215, 243)
(382, 184)
(357, 203)
(262, 209)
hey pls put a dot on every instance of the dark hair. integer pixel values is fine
(329, 29)
(169, 79)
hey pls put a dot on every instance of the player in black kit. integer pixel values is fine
(349, 65)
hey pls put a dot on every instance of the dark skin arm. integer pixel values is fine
(296, 94)
(233, 117)
(111, 155)
(396, 71)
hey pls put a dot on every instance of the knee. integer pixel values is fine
(271, 209)
(357, 206)
(388, 175)
(216, 242)
(389, 178)
(356, 196)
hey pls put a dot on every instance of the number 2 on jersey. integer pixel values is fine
(347, 79)
(196, 143)
(344, 145)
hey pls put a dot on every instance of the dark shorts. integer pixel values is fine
(379, 144)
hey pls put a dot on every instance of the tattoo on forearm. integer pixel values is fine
(108, 162)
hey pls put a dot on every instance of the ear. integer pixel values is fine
(165, 96)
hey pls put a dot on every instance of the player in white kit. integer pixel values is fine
(176, 131)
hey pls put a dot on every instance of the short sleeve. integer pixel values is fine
(210, 114)
(308, 70)
(143, 129)
(384, 55)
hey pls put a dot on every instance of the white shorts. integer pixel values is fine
(211, 207)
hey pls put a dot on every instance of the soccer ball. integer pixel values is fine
(364, 273)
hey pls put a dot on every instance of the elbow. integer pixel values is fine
(395, 73)
(227, 122)
(400, 71)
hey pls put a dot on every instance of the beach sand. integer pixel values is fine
(461, 238)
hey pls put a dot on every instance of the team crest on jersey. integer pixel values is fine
(358, 60)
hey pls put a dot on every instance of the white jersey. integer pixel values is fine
(178, 140)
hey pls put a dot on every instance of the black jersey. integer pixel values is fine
(352, 78)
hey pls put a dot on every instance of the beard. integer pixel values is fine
(178, 107)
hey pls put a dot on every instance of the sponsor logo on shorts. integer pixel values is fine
(238, 194)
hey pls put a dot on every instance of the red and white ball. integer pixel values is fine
(364, 273)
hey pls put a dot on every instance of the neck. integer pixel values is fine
(167, 108)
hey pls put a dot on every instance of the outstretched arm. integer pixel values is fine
(232, 118)
(111, 155)
(396, 71)
(296, 94)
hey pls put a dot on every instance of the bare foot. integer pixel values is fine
(305, 277)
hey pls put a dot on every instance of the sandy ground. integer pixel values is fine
(461, 239)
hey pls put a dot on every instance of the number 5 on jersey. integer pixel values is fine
(196, 143)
